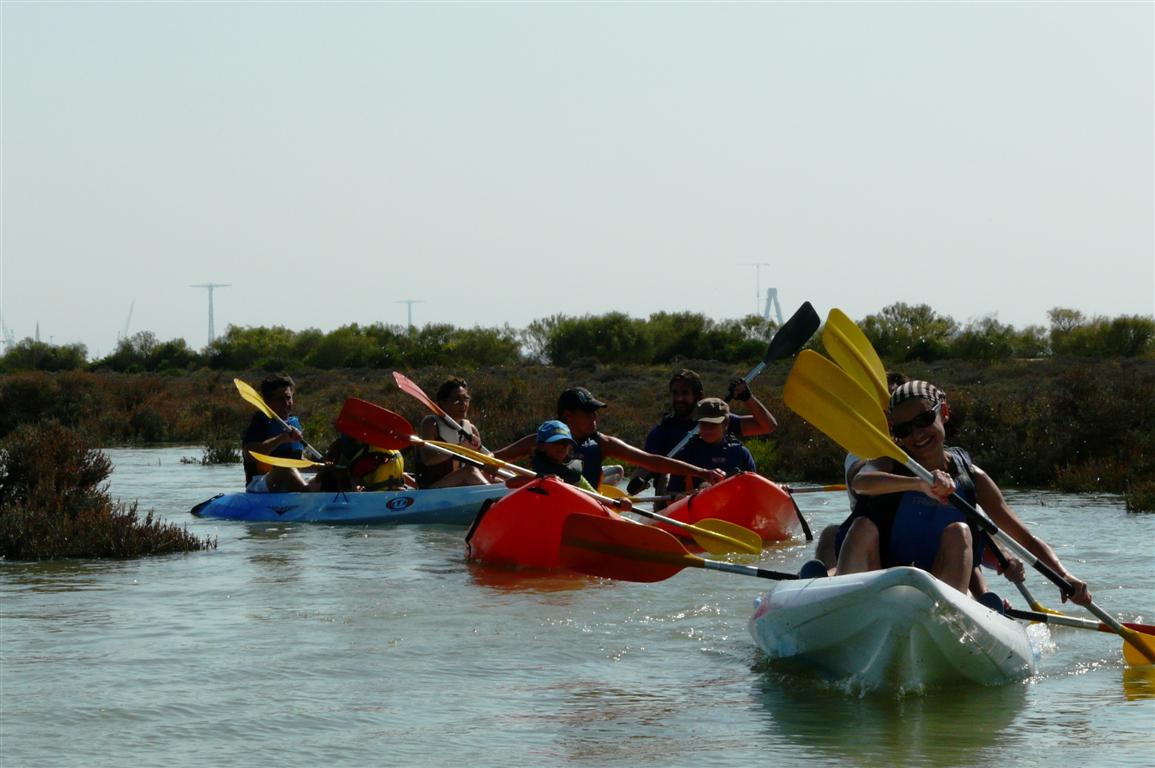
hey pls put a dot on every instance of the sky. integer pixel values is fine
(505, 162)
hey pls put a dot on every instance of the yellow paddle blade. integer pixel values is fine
(810, 393)
(836, 384)
(612, 491)
(254, 398)
(1138, 649)
(750, 542)
(848, 345)
(281, 461)
(481, 456)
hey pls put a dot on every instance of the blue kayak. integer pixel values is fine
(444, 506)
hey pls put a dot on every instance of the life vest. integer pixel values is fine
(378, 468)
(729, 455)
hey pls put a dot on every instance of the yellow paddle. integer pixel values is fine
(253, 397)
(848, 345)
(715, 536)
(816, 392)
(281, 461)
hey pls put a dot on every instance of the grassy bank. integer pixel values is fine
(1071, 425)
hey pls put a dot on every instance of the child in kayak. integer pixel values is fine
(713, 447)
(903, 520)
(553, 454)
(268, 436)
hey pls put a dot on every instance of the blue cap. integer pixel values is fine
(553, 431)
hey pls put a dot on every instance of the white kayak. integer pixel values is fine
(898, 628)
(444, 506)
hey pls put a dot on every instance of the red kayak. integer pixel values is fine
(523, 529)
(746, 499)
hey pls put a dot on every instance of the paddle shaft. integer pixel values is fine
(1073, 621)
(814, 488)
(408, 386)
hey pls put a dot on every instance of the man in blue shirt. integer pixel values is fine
(270, 437)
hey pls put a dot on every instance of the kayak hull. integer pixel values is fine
(524, 529)
(898, 628)
(438, 506)
(746, 499)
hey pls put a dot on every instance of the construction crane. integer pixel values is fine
(211, 287)
(772, 300)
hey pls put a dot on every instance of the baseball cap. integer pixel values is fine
(578, 399)
(553, 431)
(712, 410)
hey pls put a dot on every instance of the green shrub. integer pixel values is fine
(54, 503)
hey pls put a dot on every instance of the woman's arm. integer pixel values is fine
(990, 498)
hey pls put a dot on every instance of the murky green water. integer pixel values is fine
(301, 645)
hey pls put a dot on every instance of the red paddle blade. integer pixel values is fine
(617, 549)
(372, 424)
(409, 387)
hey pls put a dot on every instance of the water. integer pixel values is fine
(293, 645)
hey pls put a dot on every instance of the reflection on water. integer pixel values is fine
(514, 580)
(953, 724)
(1139, 682)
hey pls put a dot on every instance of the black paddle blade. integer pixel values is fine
(793, 334)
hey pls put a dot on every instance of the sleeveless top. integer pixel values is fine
(429, 471)
(589, 451)
(911, 523)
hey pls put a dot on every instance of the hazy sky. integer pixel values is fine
(504, 162)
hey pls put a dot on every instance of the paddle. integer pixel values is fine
(1048, 617)
(814, 488)
(816, 392)
(410, 387)
(281, 461)
(850, 348)
(615, 492)
(375, 425)
(614, 549)
(253, 397)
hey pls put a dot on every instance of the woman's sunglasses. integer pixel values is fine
(924, 419)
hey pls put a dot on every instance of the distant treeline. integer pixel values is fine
(1067, 423)
(901, 333)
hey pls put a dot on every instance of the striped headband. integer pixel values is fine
(912, 389)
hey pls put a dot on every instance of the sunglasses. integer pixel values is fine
(924, 419)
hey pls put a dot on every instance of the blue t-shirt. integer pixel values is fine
(671, 429)
(729, 455)
(261, 428)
